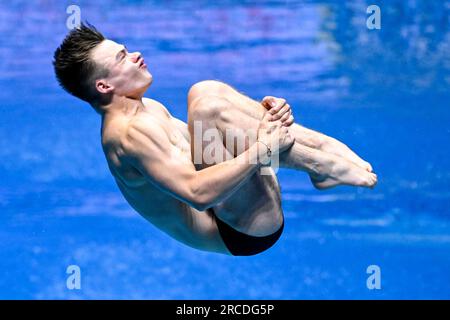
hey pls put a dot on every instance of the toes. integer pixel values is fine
(374, 179)
(370, 180)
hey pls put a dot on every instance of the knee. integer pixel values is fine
(208, 107)
(207, 87)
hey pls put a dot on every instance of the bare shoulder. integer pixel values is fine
(139, 131)
(112, 130)
(112, 133)
(156, 104)
(122, 135)
(179, 124)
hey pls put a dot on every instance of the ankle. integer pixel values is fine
(331, 166)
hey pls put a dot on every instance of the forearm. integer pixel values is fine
(216, 183)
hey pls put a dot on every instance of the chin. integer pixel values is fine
(148, 84)
(141, 86)
(150, 79)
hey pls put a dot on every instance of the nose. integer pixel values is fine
(136, 56)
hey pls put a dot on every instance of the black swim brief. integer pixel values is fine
(241, 244)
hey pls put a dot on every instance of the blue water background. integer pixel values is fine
(384, 92)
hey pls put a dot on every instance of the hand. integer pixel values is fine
(280, 109)
(274, 135)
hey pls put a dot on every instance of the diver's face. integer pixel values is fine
(128, 73)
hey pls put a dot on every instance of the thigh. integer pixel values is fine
(255, 208)
(240, 101)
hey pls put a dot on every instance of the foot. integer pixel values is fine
(344, 172)
(341, 150)
(361, 163)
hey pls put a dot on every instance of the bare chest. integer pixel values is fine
(180, 146)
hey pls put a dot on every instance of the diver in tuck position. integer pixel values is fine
(204, 192)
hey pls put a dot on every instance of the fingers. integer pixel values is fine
(267, 117)
(278, 115)
(287, 119)
(284, 115)
(268, 125)
(290, 120)
(286, 139)
(268, 102)
(279, 109)
(280, 105)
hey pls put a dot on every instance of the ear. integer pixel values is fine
(103, 87)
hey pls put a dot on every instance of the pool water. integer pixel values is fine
(383, 92)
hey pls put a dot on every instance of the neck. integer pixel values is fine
(120, 105)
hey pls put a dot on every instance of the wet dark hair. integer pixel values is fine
(75, 71)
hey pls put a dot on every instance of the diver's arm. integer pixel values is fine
(148, 148)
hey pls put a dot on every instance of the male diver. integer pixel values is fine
(223, 205)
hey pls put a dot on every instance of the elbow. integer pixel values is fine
(201, 203)
(200, 206)
(200, 197)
